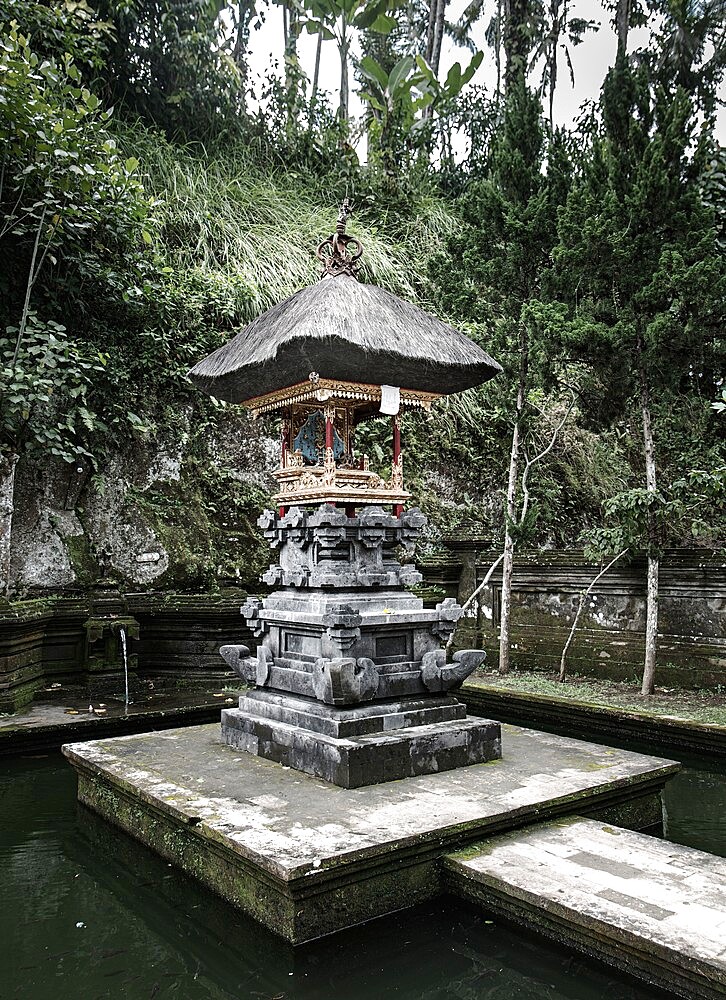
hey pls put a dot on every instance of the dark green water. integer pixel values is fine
(87, 913)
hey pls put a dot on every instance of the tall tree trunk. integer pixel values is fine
(438, 35)
(508, 563)
(622, 24)
(245, 13)
(557, 23)
(291, 30)
(498, 46)
(553, 83)
(651, 604)
(344, 47)
(7, 489)
(517, 43)
(431, 30)
(434, 37)
(316, 74)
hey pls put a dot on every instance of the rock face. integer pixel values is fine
(147, 517)
(351, 680)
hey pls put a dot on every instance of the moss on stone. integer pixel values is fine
(83, 563)
(206, 521)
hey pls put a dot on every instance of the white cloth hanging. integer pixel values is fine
(390, 399)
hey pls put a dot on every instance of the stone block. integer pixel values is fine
(353, 762)
(307, 858)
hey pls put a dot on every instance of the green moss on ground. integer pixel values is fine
(707, 706)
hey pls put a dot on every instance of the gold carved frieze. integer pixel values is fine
(330, 484)
(324, 390)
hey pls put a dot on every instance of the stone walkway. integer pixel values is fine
(652, 908)
(47, 725)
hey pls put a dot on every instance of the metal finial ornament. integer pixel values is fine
(340, 253)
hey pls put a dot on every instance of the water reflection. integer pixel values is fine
(695, 804)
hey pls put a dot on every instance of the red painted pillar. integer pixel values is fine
(396, 439)
(328, 430)
(396, 423)
(284, 445)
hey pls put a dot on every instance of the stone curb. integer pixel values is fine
(24, 739)
(594, 722)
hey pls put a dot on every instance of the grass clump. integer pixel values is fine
(220, 213)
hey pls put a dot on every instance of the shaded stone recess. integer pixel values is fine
(351, 678)
(609, 640)
(306, 857)
(173, 641)
(651, 908)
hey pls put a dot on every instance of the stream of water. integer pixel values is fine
(87, 913)
(124, 653)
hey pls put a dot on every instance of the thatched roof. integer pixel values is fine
(343, 329)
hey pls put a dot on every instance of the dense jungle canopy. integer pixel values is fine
(157, 194)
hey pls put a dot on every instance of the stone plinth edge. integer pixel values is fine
(366, 760)
(652, 909)
(594, 721)
(308, 858)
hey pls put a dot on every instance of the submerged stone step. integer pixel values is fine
(653, 909)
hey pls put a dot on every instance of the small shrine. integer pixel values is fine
(327, 358)
(351, 680)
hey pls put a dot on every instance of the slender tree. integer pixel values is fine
(435, 33)
(294, 77)
(316, 74)
(497, 279)
(517, 40)
(623, 12)
(245, 12)
(555, 30)
(636, 241)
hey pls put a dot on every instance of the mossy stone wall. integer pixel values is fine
(609, 641)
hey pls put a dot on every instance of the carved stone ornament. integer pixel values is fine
(345, 681)
(438, 675)
(251, 610)
(239, 659)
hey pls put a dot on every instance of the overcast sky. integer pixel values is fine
(590, 60)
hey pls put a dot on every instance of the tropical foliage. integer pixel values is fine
(157, 192)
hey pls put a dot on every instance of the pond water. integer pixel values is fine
(85, 912)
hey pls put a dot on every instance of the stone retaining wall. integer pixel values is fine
(43, 641)
(609, 640)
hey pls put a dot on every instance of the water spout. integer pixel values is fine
(122, 632)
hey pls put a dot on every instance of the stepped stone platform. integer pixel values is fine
(363, 746)
(653, 909)
(306, 857)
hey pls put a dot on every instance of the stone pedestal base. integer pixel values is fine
(364, 745)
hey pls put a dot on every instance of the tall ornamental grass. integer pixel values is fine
(222, 214)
